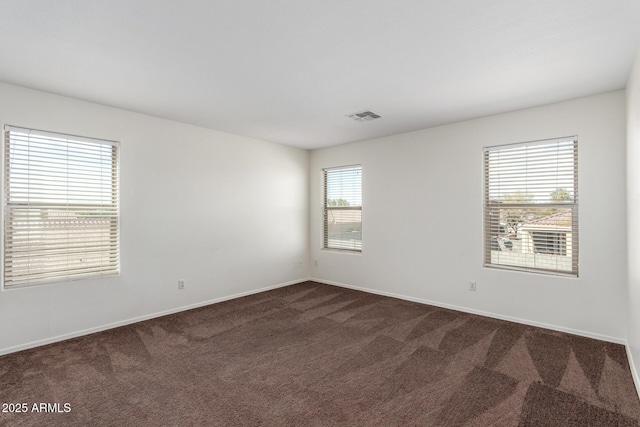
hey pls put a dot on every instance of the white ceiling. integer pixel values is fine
(289, 71)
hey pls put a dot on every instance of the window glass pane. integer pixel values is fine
(344, 229)
(538, 173)
(531, 210)
(343, 208)
(532, 237)
(60, 206)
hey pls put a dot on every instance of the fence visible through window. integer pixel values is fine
(61, 215)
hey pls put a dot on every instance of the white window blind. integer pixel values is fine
(531, 206)
(343, 208)
(61, 216)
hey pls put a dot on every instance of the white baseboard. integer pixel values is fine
(634, 371)
(88, 331)
(51, 340)
(478, 312)
(632, 365)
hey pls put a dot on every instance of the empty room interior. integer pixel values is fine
(320, 213)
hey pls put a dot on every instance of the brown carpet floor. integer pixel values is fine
(313, 354)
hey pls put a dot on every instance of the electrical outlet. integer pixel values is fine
(472, 286)
(315, 262)
(182, 284)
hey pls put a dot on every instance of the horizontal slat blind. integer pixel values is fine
(60, 207)
(531, 206)
(343, 208)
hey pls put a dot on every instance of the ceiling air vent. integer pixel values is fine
(364, 116)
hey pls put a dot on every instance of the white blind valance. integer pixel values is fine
(61, 213)
(531, 206)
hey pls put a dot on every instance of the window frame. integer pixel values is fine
(68, 215)
(326, 209)
(491, 206)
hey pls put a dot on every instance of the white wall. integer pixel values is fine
(246, 214)
(229, 214)
(428, 185)
(633, 216)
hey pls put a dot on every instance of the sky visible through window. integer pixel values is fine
(56, 170)
(345, 184)
(532, 173)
